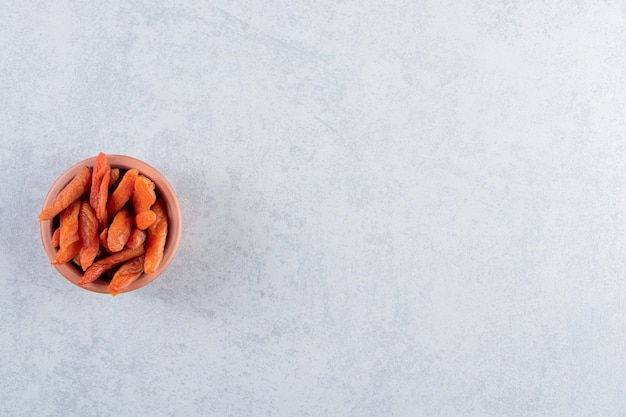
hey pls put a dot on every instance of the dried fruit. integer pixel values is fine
(109, 218)
(157, 236)
(56, 237)
(103, 265)
(88, 231)
(122, 193)
(126, 275)
(144, 197)
(104, 234)
(145, 219)
(68, 234)
(100, 188)
(115, 175)
(136, 239)
(72, 191)
(68, 225)
(119, 230)
(66, 254)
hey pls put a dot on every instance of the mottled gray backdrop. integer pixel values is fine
(391, 208)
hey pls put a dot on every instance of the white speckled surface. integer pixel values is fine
(391, 208)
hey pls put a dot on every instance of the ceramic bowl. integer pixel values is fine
(164, 190)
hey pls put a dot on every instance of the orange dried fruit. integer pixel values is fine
(145, 219)
(136, 239)
(78, 186)
(68, 225)
(119, 224)
(119, 230)
(126, 275)
(56, 237)
(68, 234)
(103, 265)
(100, 188)
(67, 253)
(115, 175)
(88, 231)
(122, 193)
(104, 234)
(144, 195)
(157, 237)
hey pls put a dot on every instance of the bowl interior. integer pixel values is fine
(164, 190)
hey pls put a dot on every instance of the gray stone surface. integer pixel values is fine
(390, 208)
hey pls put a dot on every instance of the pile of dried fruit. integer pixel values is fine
(109, 222)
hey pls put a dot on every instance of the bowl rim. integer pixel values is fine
(165, 191)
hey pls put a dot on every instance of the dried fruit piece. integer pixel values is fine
(68, 223)
(119, 230)
(122, 193)
(67, 253)
(157, 236)
(100, 188)
(136, 239)
(56, 238)
(115, 175)
(144, 195)
(88, 231)
(126, 275)
(68, 234)
(103, 265)
(104, 234)
(145, 219)
(72, 191)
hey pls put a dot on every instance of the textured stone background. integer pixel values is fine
(391, 208)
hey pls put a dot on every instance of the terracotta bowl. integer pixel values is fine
(70, 271)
